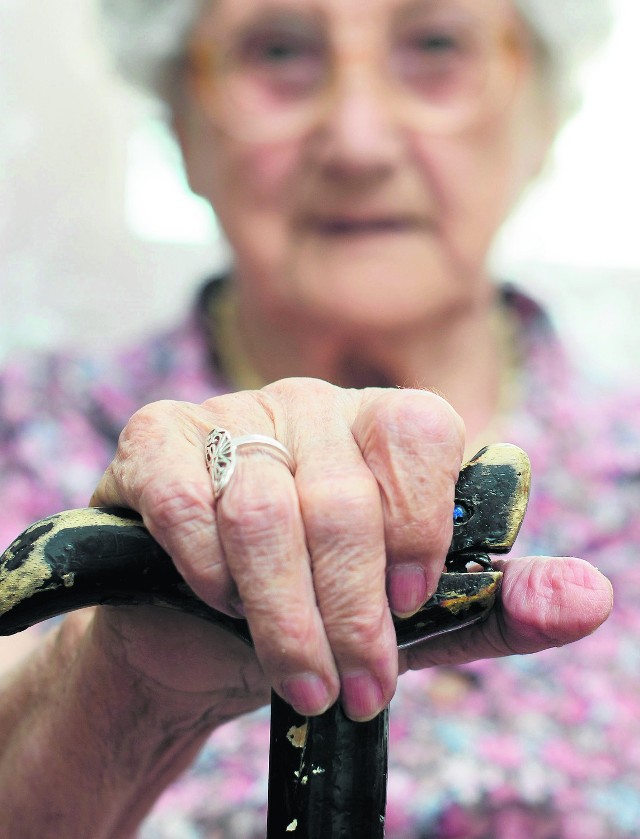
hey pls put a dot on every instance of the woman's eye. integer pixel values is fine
(436, 44)
(441, 43)
(439, 61)
(280, 51)
(284, 63)
(276, 50)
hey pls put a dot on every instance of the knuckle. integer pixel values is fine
(347, 498)
(436, 534)
(286, 640)
(359, 633)
(170, 504)
(420, 413)
(258, 513)
(291, 635)
(299, 387)
(146, 431)
(235, 412)
(288, 400)
(145, 421)
(419, 543)
(365, 632)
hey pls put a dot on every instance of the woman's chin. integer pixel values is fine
(386, 297)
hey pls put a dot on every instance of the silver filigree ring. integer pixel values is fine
(220, 455)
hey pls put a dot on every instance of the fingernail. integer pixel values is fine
(307, 693)
(406, 589)
(362, 697)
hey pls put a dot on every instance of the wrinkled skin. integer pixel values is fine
(317, 560)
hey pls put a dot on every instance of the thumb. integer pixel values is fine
(544, 602)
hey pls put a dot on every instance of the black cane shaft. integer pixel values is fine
(289, 731)
(328, 775)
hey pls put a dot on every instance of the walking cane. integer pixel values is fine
(327, 774)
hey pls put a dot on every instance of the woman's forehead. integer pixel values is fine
(232, 11)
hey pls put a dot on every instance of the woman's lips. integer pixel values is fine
(363, 227)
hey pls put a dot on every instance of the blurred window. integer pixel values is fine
(159, 207)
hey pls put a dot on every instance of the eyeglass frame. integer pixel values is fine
(510, 42)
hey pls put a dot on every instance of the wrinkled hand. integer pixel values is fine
(316, 560)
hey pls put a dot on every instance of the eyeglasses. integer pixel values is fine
(280, 76)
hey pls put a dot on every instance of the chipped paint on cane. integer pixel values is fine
(297, 735)
(317, 770)
(33, 572)
(21, 583)
(461, 601)
(292, 826)
(494, 455)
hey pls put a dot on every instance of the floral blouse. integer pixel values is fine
(534, 747)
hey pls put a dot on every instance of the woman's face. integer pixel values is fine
(361, 154)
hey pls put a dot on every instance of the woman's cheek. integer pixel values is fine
(472, 180)
(266, 176)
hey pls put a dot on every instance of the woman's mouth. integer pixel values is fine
(349, 227)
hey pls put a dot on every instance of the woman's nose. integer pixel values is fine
(358, 131)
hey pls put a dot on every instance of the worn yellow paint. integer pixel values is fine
(22, 582)
(293, 826)
(34, 572)
(462, 601)
(500, 454)
(297, 735)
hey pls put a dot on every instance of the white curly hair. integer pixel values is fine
(147, 40)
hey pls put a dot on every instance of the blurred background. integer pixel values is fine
(100, 238)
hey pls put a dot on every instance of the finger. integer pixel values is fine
(342, 513)
(545, 602)
(263, 539)
(413, 442)
(159, 470)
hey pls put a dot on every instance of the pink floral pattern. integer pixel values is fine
(539, 747)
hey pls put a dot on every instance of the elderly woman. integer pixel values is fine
(361, 157)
